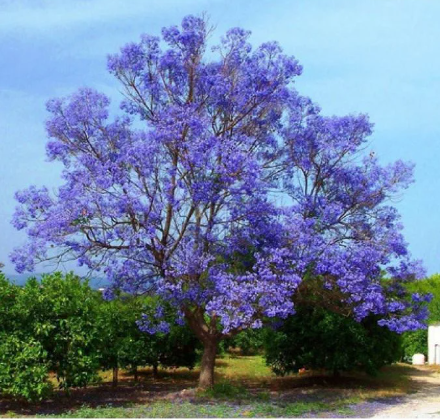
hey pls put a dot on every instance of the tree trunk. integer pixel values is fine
(206, 379)
(155, 371)
(115, 376)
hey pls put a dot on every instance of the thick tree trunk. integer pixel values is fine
(206, 379)
(115, 376)
(209, 336)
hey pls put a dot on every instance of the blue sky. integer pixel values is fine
(381, 57)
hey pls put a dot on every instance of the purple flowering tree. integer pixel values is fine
(221, 190)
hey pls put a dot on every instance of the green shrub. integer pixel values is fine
(417, 341)
(316, 338)
(23, 369)
(61, 325)
(250, 342)
(414, 342)
(60, 313)
(116, 323)
(10, 316)
(124, 345)
(177, 348)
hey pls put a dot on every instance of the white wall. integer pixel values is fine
(434, 344)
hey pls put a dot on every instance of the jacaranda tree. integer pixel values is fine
(221, 189)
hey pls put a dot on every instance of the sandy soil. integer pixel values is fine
(425, 403)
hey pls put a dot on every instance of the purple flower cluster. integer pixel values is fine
(221, 189)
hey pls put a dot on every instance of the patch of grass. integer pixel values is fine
(95, 412)
(159, 409)
(252, 372)
(300, 408)
(167, 409)
(263, 396)
(225, 390)
(346, 411)
(11, 414)
(243, 367)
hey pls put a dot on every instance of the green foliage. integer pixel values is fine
(124, 345)
(178, 348)
(63, 326)
(225, 390)
(23, 369)
(417, 341)
(9, 315)
(414, 342)
(118, 334)
(23, 361)
(250, 342)
(316, 338)
(60, 314)
(429, 285)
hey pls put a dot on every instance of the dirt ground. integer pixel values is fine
(425, 403)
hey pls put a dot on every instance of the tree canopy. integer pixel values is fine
(221, 189)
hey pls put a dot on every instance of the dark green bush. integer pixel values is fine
(178, 348)
(10, 316)
(124, 345)
(316, 338)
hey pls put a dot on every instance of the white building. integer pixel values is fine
(434, 344)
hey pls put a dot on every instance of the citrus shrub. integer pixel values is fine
(317, 338)
(23, 369)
